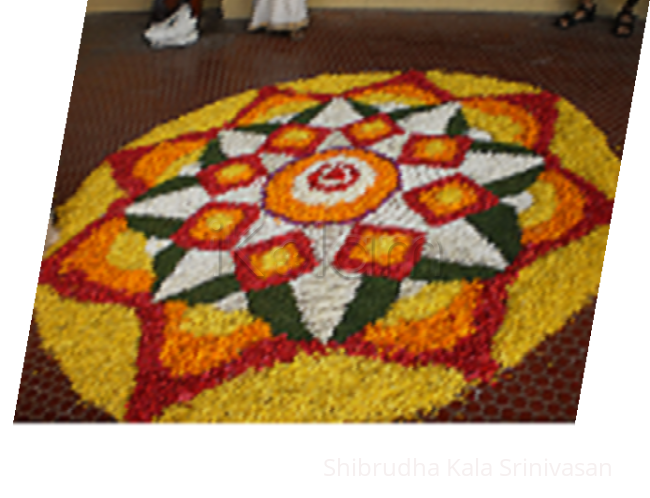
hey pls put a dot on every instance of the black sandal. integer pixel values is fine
(569, 19)
(628, 24)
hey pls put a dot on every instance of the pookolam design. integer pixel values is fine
(347, 248)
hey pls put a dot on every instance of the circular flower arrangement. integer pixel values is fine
(348, 248)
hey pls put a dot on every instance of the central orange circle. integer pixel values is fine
(289, 195)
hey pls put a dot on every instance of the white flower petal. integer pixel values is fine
(396, 213)
(234, 302)
(190, 169)
(336, 140)
(195, 268)
(322, 298)
(178, 204)
(238, 143)
(430, 122)
(273, 162)
(155, 245)
(391, 106)
(284, 119)
(327, 240)
(409, 287)
(251, 194)
(265, 228)
(479, 135)
(459, 242)
(520, 202)
(489, 167)
(391, 147)
(337, 113)
(417, 176)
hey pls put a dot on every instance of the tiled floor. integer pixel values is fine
(122, 89)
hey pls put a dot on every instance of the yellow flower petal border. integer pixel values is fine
(323, 388)
(97, 192)
(547, 293)
(84, 337)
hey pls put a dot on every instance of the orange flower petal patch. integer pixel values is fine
(440, 331)
(569, 209)
(283, 192)
(197, 340)
(276, 105)
(108, 257)
(151, 166)
(506, 122)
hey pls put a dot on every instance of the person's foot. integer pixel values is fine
(178, 30)
(584, 13)
(297, 35)
(624, 24)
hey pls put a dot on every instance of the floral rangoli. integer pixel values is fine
(348, 248)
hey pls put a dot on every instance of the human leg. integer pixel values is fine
(625, 20)
(584, 13)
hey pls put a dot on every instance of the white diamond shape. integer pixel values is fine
(265, 228)
(155, 245)
(338, 113)
(273, 162)
(392, 146)
(238, 143)
(459, 242)
(250, 194)
(417, 176)
(335, 140)
(323, 297)
(195, 268)
(520, 202)
(178, 204)
(409, 287)
(396, 213)
(234, 302)
(485, 167)
(431, 122)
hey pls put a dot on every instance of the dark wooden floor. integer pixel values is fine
(122, 89)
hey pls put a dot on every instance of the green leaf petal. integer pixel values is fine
(457, 125)
(262, 129)
(212, 154)
(500, 147)
(306, 116)
(374, 297)
(404, 113)
(211, 291)
(164, 264)
(173, 185)
(501, 227)
(432, 270)
(364, 109)
(153, 226)
(515, 184)
(277, 305)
